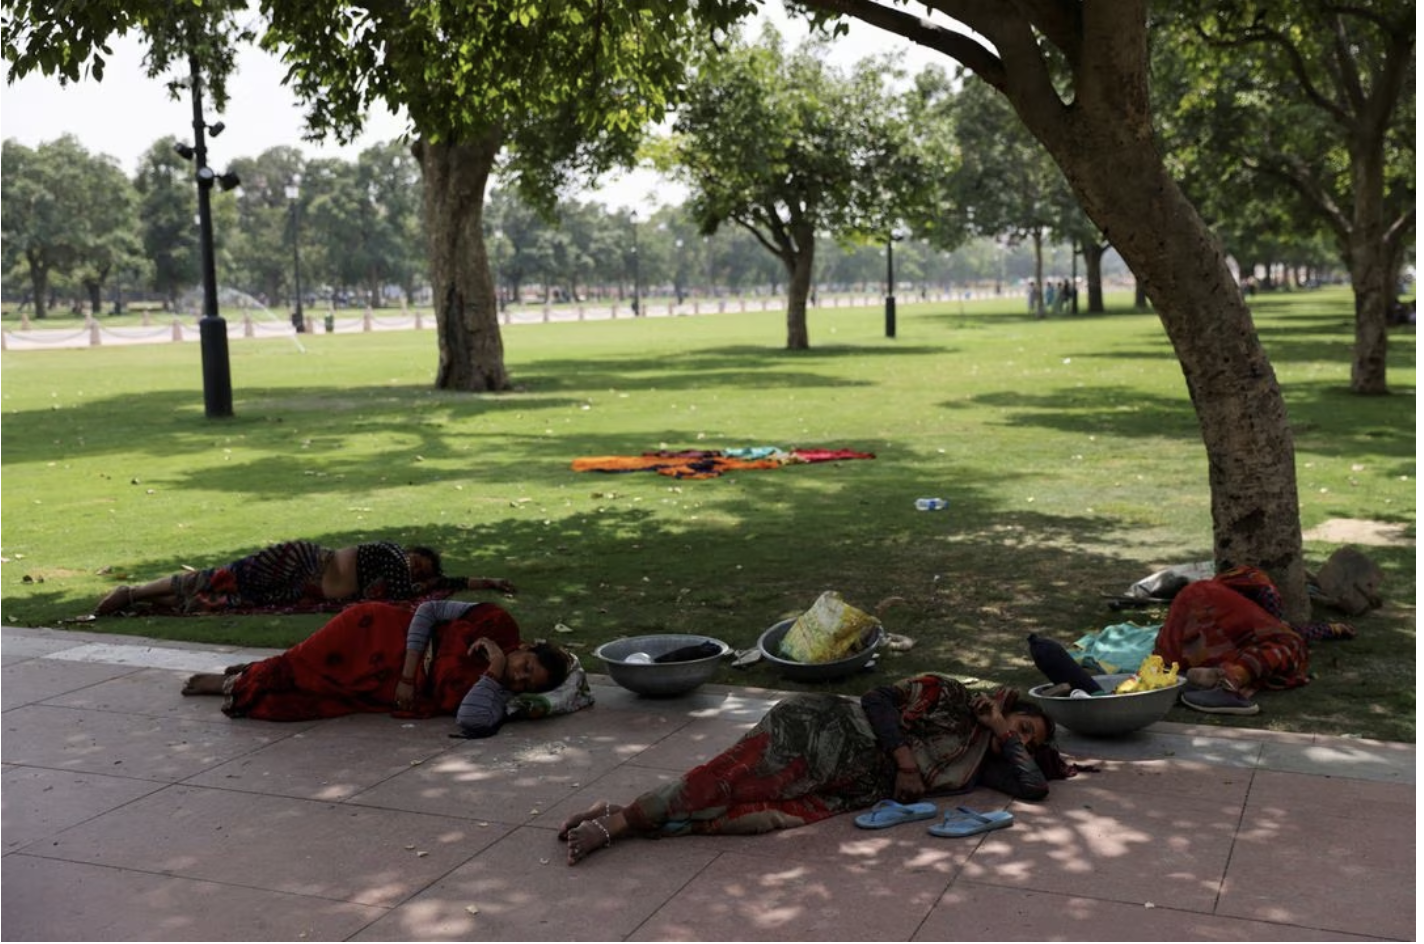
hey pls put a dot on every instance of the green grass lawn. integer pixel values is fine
(1067, 450)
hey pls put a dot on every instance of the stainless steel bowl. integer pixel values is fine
(1108, 715)
(770, 645)
(659, 679)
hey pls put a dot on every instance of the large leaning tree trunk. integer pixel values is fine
(1099, 131)
(1104, 142)
(466, 317)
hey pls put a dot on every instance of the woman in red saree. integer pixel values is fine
(448, 658)
(1230, 635)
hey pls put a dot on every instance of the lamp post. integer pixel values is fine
(498, 290)
(212, 330)
(293, 192)
(637, 305)
(677, 275)
(890, 283)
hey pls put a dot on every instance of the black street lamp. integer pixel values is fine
(890, 283)
(212, 330)
(637, 306)
(293, 192)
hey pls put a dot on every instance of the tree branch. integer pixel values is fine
(922, 31)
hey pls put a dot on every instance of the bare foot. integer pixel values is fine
(204, 683)
(120, 599)
(601, 808)
(1205, 676)
(587, 838)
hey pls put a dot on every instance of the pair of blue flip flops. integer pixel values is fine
(960, 821)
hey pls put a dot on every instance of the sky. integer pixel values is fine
(123, 115)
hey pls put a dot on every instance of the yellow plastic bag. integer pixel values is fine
(831, 629)
(1150, 675)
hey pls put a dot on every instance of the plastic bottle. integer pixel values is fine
(931, 504)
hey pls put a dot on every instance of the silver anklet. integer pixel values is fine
(607, 836)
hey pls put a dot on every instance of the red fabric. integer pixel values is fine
(1214, 623)
(354, 662)
(746, 796)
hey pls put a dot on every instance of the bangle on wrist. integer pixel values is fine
(908, 770)
(408, 678)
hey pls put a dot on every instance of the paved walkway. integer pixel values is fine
(132, 813)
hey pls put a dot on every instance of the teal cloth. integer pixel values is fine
(1119, 648)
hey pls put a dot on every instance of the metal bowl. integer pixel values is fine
(1109, 715)
(770, 646)
(659, 679)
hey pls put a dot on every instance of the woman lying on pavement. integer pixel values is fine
(816, 755)
(447, 658)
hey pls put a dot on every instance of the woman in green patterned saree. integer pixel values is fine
(816, 755)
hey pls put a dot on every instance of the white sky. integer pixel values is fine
(127, 112)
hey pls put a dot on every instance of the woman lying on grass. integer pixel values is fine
(297, 573)
(448, 658)
(815, 755)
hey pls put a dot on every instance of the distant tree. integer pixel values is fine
(261, 245)
(1315, 98)
(170, 240)
(66, 211)
(785, 146)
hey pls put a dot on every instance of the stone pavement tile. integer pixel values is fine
(1169, 777)
(39, 803)
(1326, 852)
(522, 889)
(1092, 840)
(709, 701)
(37, 680)
(53, 900)
(741, 897)
(506, 779)
(1342, 757)
(301, 847)
(1166, 742)
(130, 745)
(694, 743)
(323, 763)
(21, 644)
(619, 733)
(970, 912)
(155, 692)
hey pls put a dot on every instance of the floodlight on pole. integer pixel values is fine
(293, 193)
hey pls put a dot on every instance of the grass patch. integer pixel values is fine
(1067, 449)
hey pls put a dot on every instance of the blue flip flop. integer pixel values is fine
(889, 813)
(962, 821)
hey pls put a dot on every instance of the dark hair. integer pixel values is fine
(430, 554)
(1035, 710)
(554, 660)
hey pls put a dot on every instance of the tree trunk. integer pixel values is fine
(1127, 191)
(1093, 267)
(39, 282)
(95, 289)
(800, 263)
(466, 318)
(1040, 307)
(1370, 272)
